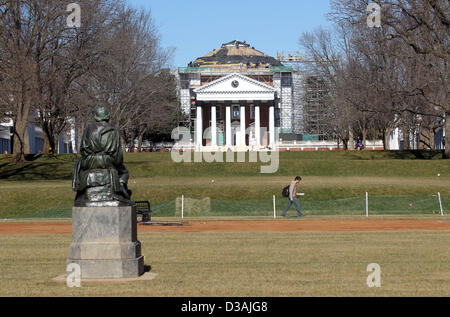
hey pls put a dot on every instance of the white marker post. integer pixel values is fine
(367, 204)
(274, 208)
(182, 206)
(440, 204)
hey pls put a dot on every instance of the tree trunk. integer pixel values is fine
(50, 146)
(20, 142)
(447, 134)
(11, 132)
(123, 142)
(426, 140)
(386, 139)
(52, 142)
(80, 129)
(432, 136)
(345, 144)
(364, 136)
(141, 138)
(132, 146)
(351, 140)
(406, 145)
(26, 142)
(46, 149)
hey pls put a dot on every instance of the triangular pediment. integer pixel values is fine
(235, 87)
(235, 83)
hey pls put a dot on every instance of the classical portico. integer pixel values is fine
(236, 113)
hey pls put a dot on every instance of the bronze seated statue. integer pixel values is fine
(100, 177)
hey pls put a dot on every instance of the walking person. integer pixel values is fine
(293, 197)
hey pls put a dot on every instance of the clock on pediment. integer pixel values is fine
(235, 84)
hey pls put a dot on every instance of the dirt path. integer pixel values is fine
(311, 225)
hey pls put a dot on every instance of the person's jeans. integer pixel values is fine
(297, 205)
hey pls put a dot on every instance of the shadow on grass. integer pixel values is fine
(51, 157)
(32, 157)
(147, 268)
(418, 154)
(395, 155)
(34, 171)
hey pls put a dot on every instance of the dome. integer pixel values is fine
(235, 53)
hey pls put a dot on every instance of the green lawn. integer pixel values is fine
(246, 264)
(242, 196)
(366, 163)
(335, 183)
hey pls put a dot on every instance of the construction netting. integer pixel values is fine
(195, 207)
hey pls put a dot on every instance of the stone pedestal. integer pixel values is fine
(104, 242)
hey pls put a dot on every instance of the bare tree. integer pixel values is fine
(41, 57)
(68, 54)
(331, 50)
(50, 72)
(414, 39)
(18, 37)
(129, 77)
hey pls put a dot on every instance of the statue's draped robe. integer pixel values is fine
(101, 162)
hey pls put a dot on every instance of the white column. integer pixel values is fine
(272, 126)
(228, 125)
(199, 128)
(213, 126)
(242, 130)
(257, 125)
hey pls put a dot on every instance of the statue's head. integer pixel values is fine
(102, 115)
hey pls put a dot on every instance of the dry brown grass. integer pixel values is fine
(246, 264)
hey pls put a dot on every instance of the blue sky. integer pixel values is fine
(195, 27)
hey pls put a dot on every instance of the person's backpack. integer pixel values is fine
(285, 191)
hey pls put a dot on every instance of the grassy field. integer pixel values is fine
(246, 264)
(365, 163)
(413, 263)
(55, 198)
(42, 187)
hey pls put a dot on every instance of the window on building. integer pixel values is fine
(252, 112)
(184, 84)
(4, 146)
(219, 112)
(236, 112)
(286, 79)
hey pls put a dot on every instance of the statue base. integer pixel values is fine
(104, 242)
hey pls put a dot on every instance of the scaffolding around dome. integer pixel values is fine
(238, 98)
